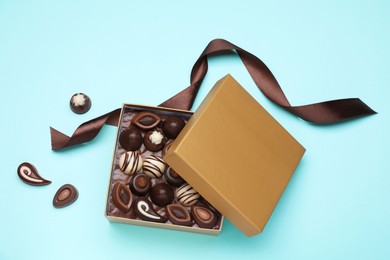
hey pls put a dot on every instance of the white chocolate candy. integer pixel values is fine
(154, 166)
(156, 137)
(187, 195)
(130, 162)
(78, 100)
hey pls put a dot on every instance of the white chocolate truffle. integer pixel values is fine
(130, 162)
(156, 137)
(187, 195)
(154, 166)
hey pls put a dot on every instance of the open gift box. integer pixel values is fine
(231, 151)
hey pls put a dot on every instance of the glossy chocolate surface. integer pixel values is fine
(161, 194)
(204, 217)
(65, 195)
(150, 144)
(178, 215)
(144, 210)
(80, 103)
(131, 139)
(29, 174)
(140, 184)
(172, 126)
(122, 197)
(173, 177)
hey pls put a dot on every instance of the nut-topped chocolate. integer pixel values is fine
(130, 139)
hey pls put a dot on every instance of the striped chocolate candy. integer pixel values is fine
(154, 166)
(187, 195)
(130, 162)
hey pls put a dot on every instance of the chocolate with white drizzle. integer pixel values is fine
(130, 163)
(187, 195)
(144, 210)
(154, 166)
(29, 174)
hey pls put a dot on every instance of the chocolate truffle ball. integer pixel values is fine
(140, 184)
(172, 126)
(130, 162)
(173, 178)
(186, 195)
(161, 194)
(130, 139)
(154, 166)
(80, 103)
(154, 140)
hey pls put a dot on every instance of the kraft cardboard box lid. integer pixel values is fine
(236, 155)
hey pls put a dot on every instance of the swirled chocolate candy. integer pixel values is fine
(130, 162)
(172, 126)
(161, 194)
(173, 178)
(178, 215)
(80, 103)
(122, 197)
(29, 174)
(153, 166)
(130, 139)
(144, 210)
(203, 217)
(66, 195)
(187, 195)
(146, 120)
(154, 140)
(140, 184)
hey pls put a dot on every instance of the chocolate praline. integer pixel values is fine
(140, 184)
(161, 194)
(178, 215)
(203, 217)
(173, 178)
(80, 103)
(154, 140)
(144, 210)
(172, 126)
(130, 139)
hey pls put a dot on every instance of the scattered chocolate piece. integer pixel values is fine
(203, 217)
(122, 197)
(161, 194)
(144, 210)
(130, 139)
(187, 195)
(130, 162)
(173, 178)
(154, 166)
(172, 126)
(66, 195)
(140, 184)
(154, 140)
(146, 120)
(178, 215)
(29, 174)
(80, 103)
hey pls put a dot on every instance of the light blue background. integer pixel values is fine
(337, 203)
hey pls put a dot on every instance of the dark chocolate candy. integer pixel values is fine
(80, 103)
(154, 140)
(187, 195)
(122, 197)
(166, 147)
(66, 195)
(153, 166)
(161, 194)
(172, 126)
(203, 217)
(146, 120)
(144, 210)
(29, 174)
(173, 178)
(131, 139)
(140, 184)
(178, 215)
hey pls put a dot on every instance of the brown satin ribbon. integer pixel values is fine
(319, 113)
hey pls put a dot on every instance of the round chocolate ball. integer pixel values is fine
(154, 140)
(130, 139)
(161, 194)
(140, 184)
(172, 126)
(80, 103)
(173, 178)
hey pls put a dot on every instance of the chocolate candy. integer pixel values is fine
(178, 215)
(166, 147)
(131, 139)
(187, 195)
(130, 162)
(29, 174)
(203, 217)
(144, 210)
(122, 197)
(66, 195)
(153, 166)
(172, 126)
(146, 120)
(140, 184)
(80, 103)
(154, 140)
(173, 178)
(161, 194)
